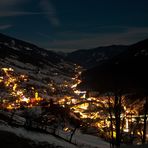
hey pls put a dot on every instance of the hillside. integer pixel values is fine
(89, 58)
(40, 66)
(9, 139)
(125, 70)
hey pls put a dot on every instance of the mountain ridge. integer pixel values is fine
(89, 58)
(124, 71)
(43, 67)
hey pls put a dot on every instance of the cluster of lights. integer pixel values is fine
(12, 82)
(99, 117)
(92, 108)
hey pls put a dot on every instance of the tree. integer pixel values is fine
(145, 118)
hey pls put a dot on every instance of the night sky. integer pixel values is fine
(67, 25)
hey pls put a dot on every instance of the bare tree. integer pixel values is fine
(145, 118)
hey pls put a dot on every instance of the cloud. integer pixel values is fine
(10, 4)
(11, 7)
(90, 40)
(4, 27)
(19, 13)
(137, 30)
(47, 6)
(44, 35)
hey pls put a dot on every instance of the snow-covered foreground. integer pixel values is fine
(82, 141)
(37, 137)
(89, 140)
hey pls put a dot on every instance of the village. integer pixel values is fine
(95, 112)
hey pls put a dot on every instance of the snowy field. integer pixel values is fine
(82, 140)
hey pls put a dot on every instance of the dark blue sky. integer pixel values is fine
(75, 24)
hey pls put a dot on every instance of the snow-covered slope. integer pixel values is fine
(41, 66)
(126, 71)
(81, 140)
(89, 58)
